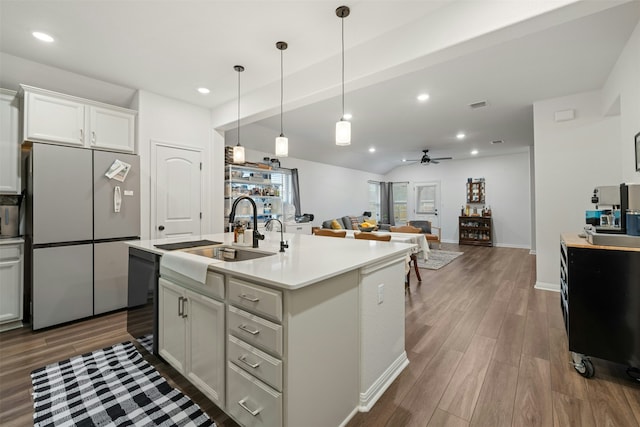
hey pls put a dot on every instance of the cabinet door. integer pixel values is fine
(10, 285)
(171, 328)
(111, 129)
(9, 145)
(51, 119)
(205, 346)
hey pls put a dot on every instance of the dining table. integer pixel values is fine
(421, 250)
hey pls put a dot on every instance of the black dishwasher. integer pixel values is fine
(142, 306)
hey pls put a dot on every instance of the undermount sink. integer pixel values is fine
(228, 253)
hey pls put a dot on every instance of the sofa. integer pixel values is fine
(350, 222)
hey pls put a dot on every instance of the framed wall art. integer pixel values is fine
(637, 139)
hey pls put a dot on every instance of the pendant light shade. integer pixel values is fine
(343, 127)
(282, 142)
(343, 132)
(238, 150)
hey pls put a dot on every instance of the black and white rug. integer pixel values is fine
(146, 341)
(114, 386)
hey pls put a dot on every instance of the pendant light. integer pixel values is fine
(282, 142)
(238, 150)
(343, 126)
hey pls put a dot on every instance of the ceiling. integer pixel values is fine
(394, 50)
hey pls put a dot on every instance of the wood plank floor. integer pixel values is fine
(486, 349)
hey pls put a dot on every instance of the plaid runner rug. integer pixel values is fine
(114, 386)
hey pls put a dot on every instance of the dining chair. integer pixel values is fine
(372, 236)
(414, 257)
(329, 232)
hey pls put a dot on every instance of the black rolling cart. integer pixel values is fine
(600, 302)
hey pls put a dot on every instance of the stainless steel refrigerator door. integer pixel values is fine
(61, 188)
(110, 268)
(62, 284)
(109, 224)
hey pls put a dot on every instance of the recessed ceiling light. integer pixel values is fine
(460, 135)
(203, 90)
(474, 152)
(423, 97)
(372, 150)
(347, 116)
(42, 36)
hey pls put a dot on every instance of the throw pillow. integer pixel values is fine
(354, 222)
(335, 225)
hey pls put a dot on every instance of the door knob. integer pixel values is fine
(161, 228)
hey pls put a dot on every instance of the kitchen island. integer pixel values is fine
(305, 337)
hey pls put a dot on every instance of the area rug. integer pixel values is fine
(438, 259)
(146, 341)
(114, 386)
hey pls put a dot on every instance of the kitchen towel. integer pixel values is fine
(190, 265)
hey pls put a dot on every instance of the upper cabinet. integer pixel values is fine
(9, 143)
(63, 119)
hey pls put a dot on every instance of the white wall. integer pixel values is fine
(326, 191)
(571, 159)
(623, 84)
(166, 120)
(507, 192)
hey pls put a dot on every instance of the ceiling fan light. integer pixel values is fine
(238, 154)
(282, 146)
(343, 133)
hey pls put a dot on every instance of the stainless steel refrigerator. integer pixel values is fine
(77, 221)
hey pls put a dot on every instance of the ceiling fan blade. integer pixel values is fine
(434, 161)
(441, 158)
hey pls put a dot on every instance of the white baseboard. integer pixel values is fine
(509, 245)
(351, 415)
(371, 396)
(547, 286)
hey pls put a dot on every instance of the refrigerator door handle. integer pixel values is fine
(117, 199)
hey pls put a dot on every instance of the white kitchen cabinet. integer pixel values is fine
(52, 117)
(111, 129)
(9, 143)
(11, 285)
(192, 336)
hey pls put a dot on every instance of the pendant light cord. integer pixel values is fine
(342, 20)
(281, 90)
(238, 107)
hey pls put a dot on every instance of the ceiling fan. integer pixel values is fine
(426, 159)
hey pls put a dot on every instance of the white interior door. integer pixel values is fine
(427, 202)
(178, 184)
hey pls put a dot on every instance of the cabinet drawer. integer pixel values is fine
(251, 402)
(256, 362)
(256, 299)
(255, 330)
(9, 252)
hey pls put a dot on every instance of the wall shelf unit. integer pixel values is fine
(475, 192)
(475, 230)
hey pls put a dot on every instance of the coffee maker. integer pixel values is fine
(616, 206)
(607, 216)
(10, 216)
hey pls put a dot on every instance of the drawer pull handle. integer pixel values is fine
(243, 406)
(249, 297)
(243, 359)
(251, 331)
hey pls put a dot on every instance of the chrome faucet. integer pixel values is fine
(232, 216)
(283, 244)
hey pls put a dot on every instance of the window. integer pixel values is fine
(426, 198)
(374, 199)
(400, 202)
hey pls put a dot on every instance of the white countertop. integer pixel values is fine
(11, 240)
(309, 259)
